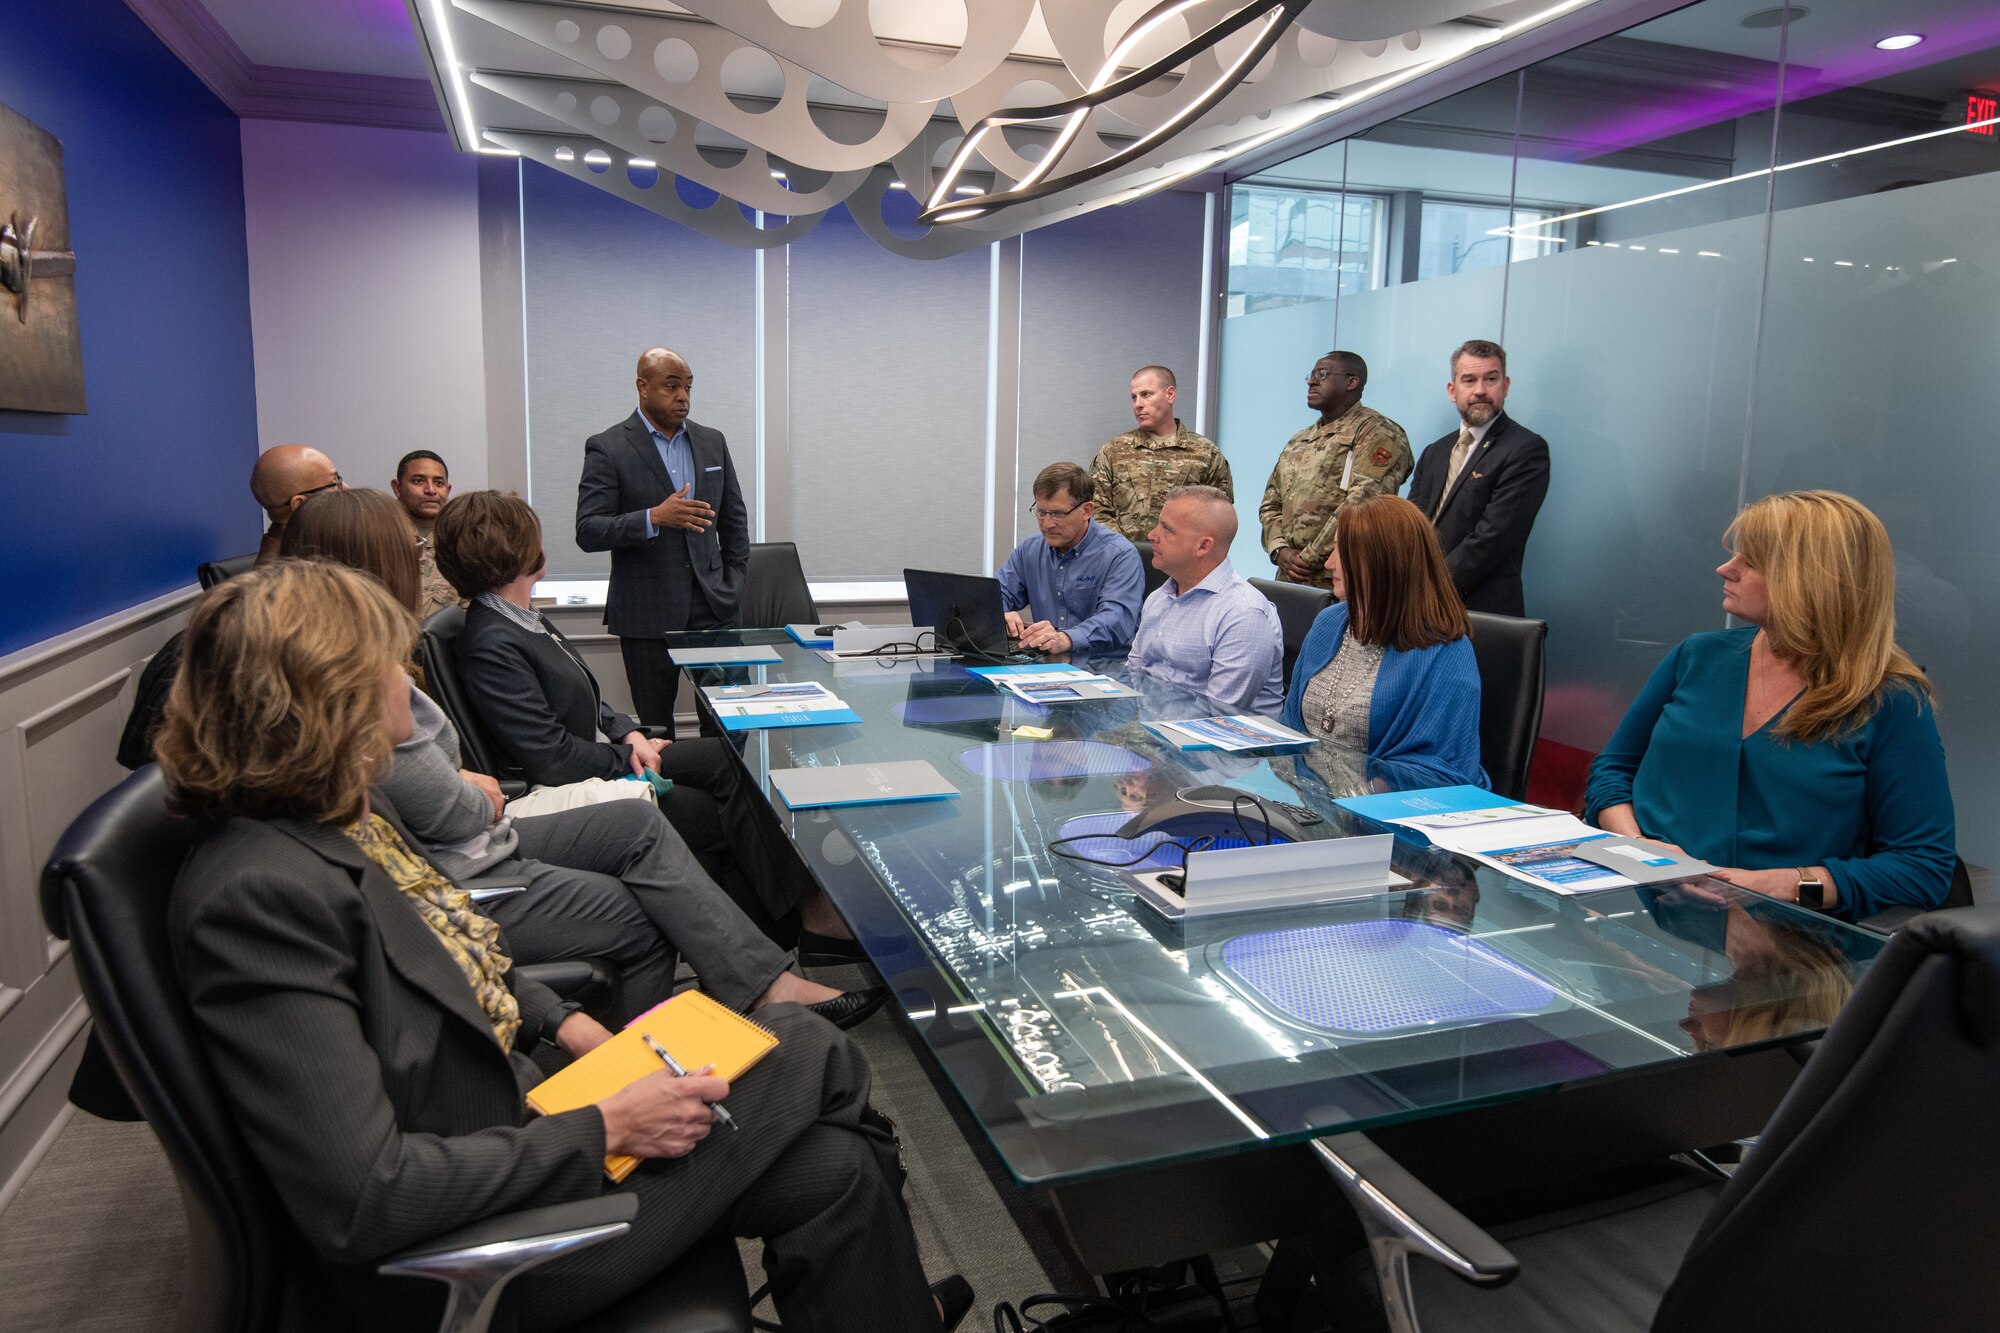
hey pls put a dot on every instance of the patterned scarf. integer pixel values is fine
(472, 940)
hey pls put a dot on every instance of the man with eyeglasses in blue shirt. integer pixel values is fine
(1082, 581)
(285, 477)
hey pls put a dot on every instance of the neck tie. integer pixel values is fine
(1460, 451)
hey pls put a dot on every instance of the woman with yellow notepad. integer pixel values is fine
(367, 1027)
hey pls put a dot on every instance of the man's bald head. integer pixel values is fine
(285, 474)
(1192, 537)
(666, 387)
(1209, 512)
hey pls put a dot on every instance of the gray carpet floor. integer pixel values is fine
(95, 1242)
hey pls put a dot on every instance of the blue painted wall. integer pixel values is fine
(104, 511)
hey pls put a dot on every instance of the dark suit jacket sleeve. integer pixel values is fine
(511, 699)
(269, 965)
(602, 521)
(732, 521)
(1510, 511)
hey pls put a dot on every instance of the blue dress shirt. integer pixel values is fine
(677, 454)
(1090, 592)
(1219, 638)
(1872, 804)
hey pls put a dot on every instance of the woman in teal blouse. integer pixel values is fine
(1799, 750)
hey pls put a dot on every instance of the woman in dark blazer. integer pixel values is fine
(366, 1025)
(543, 706)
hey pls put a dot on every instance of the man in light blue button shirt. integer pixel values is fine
(1206, 629)
(1083, 581)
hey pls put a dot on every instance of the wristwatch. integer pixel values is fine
(1812, 891)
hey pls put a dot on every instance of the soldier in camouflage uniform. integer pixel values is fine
(422, 485)
(1133, 473)
(1351, 451)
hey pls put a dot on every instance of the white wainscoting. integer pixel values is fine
(63, 704)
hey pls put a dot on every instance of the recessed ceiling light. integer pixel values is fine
(1902, 41)
(1771, 18)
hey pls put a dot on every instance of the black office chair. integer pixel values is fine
(105, 889)
(1513, 672)
(1298, 606)
(774, 590)
(1154, 576)
(212, 572)
(477, 748)
(1880, 1153)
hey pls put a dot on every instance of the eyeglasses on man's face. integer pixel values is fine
(333, 485)
(1319, 374)
(1041, 515)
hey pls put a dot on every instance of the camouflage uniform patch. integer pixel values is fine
(437, 592)
(1305, 490)
(1133, 473)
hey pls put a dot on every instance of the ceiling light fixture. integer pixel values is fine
(1902, 41)
(1105, 87)
(451, 71)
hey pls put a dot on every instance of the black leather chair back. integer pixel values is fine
(1513, 671)
(478, 750)
(1882, 1153)
(212, 572)
(1154, 577)
(774, 591)
(105, 889)
(1298, 606)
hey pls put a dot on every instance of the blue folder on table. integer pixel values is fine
(805, 717)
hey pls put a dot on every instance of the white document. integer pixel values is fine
(1241, 731)
(1529, 842)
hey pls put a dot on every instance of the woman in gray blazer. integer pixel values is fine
(369, 1032)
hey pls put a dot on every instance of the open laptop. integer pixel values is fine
(965, 611)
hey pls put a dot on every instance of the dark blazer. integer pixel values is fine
(1486, 520)
(540, 702)
(623, 477)
(365, 1078)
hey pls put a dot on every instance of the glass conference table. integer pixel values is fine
(1089, 1035)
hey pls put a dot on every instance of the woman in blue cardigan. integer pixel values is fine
(1389, 669)
(1799, 749)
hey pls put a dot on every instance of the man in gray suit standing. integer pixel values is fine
(659, 492)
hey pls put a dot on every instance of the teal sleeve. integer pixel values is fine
(1613, 771)
(1912, 839)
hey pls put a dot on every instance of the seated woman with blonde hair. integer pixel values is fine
(375, 1042)
(1388, 671)
(1800, 749)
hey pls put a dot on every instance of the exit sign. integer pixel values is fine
(1982, 107)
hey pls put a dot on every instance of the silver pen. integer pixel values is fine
(721, 1112)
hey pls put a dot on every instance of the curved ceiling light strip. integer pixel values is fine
(582, 103)
(844, 49)
(945, 206)
(723, 220)
(584, 34)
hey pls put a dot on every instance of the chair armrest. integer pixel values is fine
(1890, 921)
(476, 1262)
(512, 787)
(1402, 1217)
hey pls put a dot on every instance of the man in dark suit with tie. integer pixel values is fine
(659, 492)
(1483, 484)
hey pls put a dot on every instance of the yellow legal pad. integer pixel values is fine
(697, 1031)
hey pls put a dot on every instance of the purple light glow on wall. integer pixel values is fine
(1717, 104)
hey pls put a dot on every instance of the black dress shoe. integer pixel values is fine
(851, 1006)
(954, 1297)
(816, 950)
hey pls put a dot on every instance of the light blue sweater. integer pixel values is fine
(1424, 716)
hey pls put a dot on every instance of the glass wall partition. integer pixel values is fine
(1731, 251)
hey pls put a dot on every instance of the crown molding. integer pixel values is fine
(276, 92)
